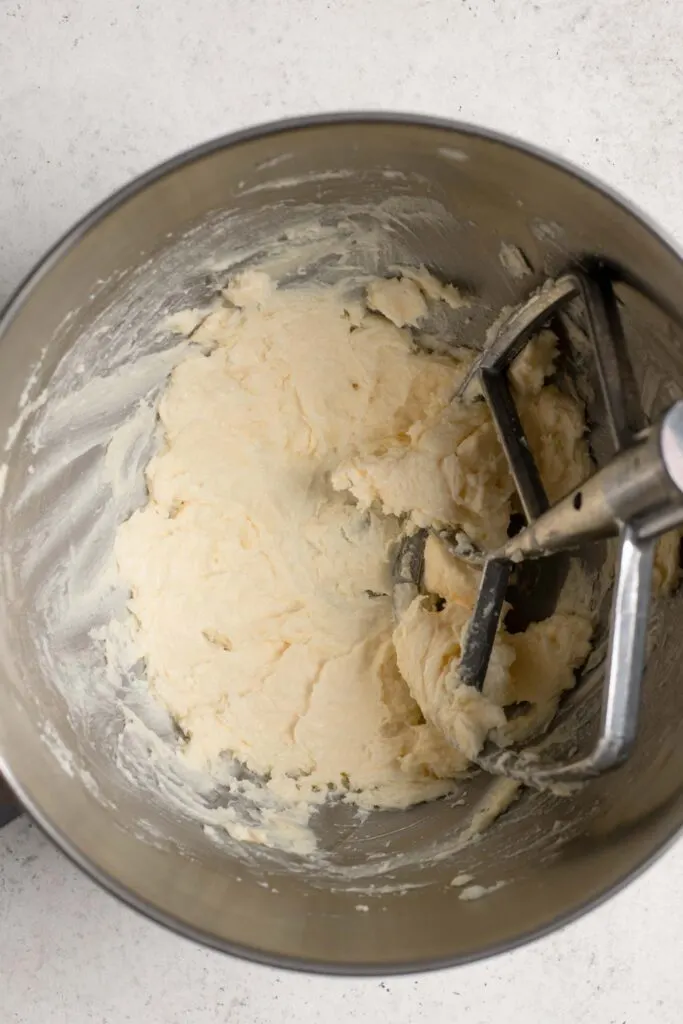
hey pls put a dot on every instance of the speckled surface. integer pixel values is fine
(94, 91)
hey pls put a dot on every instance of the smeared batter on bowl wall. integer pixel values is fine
(304, 433)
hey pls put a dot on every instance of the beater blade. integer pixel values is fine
(637, 496)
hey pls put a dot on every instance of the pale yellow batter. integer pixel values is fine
(303, 435)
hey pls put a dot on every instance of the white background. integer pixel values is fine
(93, 92)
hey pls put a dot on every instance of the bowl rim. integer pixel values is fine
(12, 308)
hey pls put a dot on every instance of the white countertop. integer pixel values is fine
(94, 91)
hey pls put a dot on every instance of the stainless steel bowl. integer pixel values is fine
(558, 857)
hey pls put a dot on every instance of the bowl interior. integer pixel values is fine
(84, 342)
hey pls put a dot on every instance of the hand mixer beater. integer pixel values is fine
(637, 496)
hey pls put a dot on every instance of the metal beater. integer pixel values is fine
(636, 496)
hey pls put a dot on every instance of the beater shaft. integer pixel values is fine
(641, 485)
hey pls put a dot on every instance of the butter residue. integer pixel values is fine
(514, 261)
(475, 892)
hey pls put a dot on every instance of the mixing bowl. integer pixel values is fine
(83, 340)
